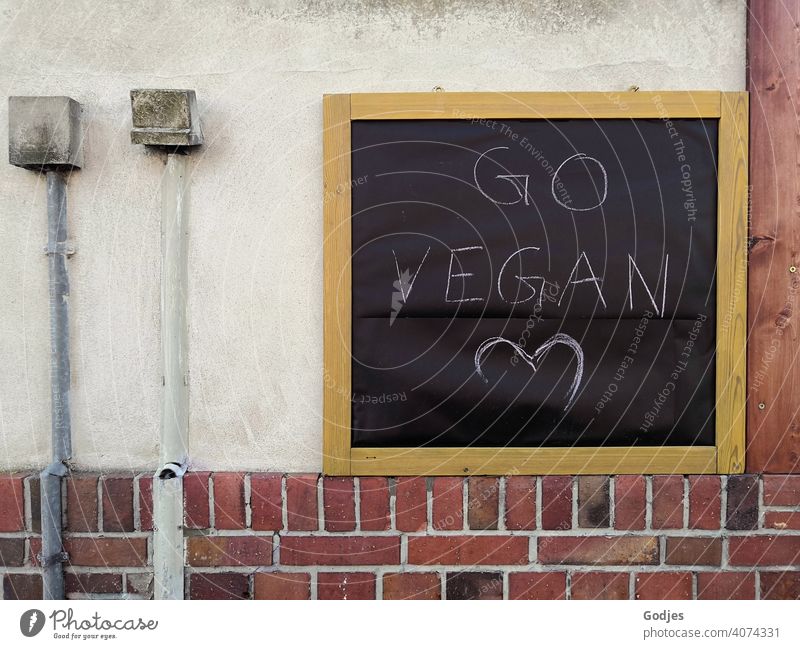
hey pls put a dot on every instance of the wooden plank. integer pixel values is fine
(773, 428)
(539, 461)
(520, 105)
(732, 283)
(336, 284)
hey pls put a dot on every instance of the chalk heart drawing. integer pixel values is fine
(535, 359)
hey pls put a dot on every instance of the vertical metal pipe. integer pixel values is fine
(59, 312)
(57, 250)
(52, 545)
(167, 119)
(168, 485)
(174, 230)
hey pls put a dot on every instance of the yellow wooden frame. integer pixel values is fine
(727, 456)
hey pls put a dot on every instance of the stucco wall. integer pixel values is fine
(260, 69)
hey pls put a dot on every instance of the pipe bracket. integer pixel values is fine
(61, 248)
(53, 559)
(171, 470)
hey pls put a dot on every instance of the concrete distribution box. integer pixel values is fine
(44, 133)
(165, 118)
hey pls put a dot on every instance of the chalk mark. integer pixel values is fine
(535, 359)
(583, 158)
(403, 285)
(512, 179)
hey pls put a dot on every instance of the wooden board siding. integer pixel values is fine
(773, 430)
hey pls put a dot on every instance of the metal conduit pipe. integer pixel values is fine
(61, 427)
(167, 120)
(44, 135)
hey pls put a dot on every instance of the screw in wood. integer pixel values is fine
(762, 405)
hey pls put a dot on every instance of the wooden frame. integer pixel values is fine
(727, 456)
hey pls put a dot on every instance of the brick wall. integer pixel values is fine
(301, 536)
(108, 535)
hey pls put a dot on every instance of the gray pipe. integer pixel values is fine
(168, 485)
(53, 554)
(57, 250)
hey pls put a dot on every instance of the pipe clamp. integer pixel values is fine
(62, 248)
(53, 559)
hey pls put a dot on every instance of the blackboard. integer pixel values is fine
(533, 282)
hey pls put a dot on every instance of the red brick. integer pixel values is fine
(664, 585)
(447, 509)
(781, 490)
(521, 503)
(537, 585)
(117, 504)
(338, 495)
(742, 508)
(411, 504)
(374, 507)
(106, 552)
(556, 502)
(594, 508)
(301, 502)
(82, 504)
(266, 501)
(339, 550)
(412, 585)
(212, 551)
(102, 583)
(782, 520)
(598, 550)
(705, 504)
(35, 505)
(195, 501)
(780, 585)
(474, 585)
(630, 502)
(34, 550)
(22, 586)
(12, 503)
(282, 585)
(764, 550)
(345, 585)
(667, 502)
(140, 583)
(483, 503)
(219, 585)
(467, 550)
(726, 585)
(12, 551)
(694, 551)
(599, 585)
(229, 509)
(146, 503)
